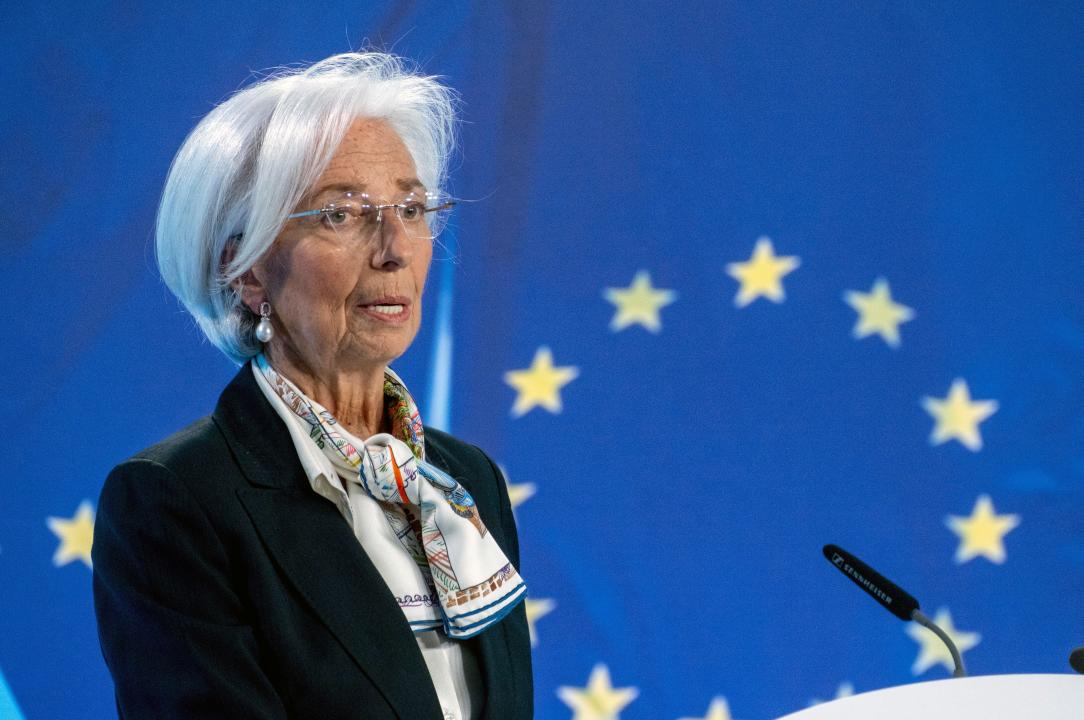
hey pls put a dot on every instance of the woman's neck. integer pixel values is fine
(355, 397)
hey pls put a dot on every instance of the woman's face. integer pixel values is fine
(346, 301)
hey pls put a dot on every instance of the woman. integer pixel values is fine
(310, 549)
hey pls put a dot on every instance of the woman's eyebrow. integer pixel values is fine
(338, 188)
(404, 184)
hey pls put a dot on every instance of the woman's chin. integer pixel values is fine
(380, 346)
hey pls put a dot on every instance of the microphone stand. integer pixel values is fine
(930, 625)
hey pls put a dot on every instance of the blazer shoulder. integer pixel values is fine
(188, 478)
(189, 452)
(463, 455)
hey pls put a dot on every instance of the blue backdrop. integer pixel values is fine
(806, 272)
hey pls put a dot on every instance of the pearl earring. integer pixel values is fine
(264, 330)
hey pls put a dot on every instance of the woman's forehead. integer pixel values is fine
(371, 158)
(371, 141)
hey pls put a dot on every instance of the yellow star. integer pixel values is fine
(520, 493)
(845, 689)
(638, 303)
(76, 535)
(878, 313)
(540, 384)
(982, 533)
(957, 417)
(718, 710)
(932, 650)
(517, 493)
(599, 700)
(536, 610)
(762, 274)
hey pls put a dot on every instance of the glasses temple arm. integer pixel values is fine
(306, 213)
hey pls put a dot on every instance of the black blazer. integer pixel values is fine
(225, 587)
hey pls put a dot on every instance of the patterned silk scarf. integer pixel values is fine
(433, 517)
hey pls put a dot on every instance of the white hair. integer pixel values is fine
(249, 162)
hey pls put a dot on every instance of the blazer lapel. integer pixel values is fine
(498, 672)
(318, 553)
(490, 647)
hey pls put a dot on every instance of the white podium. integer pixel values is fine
(985, 697)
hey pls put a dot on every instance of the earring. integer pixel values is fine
(264, 330)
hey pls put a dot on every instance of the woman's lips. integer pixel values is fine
(387, 310)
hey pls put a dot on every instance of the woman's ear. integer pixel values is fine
(251, 290)
(248, 285)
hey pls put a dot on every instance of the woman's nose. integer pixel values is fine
(394, 246)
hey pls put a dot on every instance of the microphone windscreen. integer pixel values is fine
(876, 585)
(1076, 660)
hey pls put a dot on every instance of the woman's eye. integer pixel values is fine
(412, 211)
(336, 217)
(341, 215)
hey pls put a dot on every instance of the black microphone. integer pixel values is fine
(895, 600)
(880, 588)
(1076, 660)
